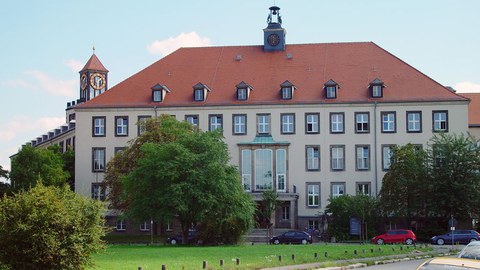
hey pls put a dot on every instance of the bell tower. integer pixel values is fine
(274, 34)
(93, 78)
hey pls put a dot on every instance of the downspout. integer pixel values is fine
(155, 110)
(375, 146)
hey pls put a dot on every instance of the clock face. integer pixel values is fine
(97, 81)
(83, 81)
(273, 40)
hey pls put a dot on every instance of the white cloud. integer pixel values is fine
(467, 87)
(23, 124)
(74, 65)
(165, 47)
(52, 85)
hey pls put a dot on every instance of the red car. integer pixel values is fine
(395, 236)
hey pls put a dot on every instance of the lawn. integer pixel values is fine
(131, 257)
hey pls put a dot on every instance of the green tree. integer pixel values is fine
(405, 184)
(49, 228)
(184, 173)
(31, 165)
(454, 166)
(344, 207)
(4, 187)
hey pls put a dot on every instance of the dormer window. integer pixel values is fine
(243, 91)
(331, 89)
(159, 92)
(287, 89)
(376, 88)
(200, 92)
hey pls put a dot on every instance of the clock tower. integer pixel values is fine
(274, 34)
(93, 79)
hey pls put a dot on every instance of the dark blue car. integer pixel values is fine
(457, 236)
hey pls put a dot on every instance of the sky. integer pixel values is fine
(44, 44)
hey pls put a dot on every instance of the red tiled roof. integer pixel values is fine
(473, 108)
(94, 64)
(352, 65)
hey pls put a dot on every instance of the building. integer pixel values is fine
(311, 121)
(474, 114)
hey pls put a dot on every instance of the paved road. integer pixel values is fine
(406, 265)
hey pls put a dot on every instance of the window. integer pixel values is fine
(313, 194)
(313, 224)
(141, 124)
(338, 189)
(98, 159)
(387, 156)
(312, 123)
(286, 93)
(192, 119)
(362, 120)
(336, 123)
(337, 154)
(440, 121)
(286, 212)
(281, 166)
(363, 188)
(331, 89)
(242, 94)
(288, 123)
(98, 126)
(376, 88)
(247, 169)
(121, 126)
(414, 121)
(215, 122)
(363, 157)
(118, 149)
(121, 226)
(287, 90)
(239, 124)
(263, 123)
(263, 169)
(199, 94)
(98, 191)
(145, 226)
(157, 95)
(388, 122)
(312, 158)
(438, 155)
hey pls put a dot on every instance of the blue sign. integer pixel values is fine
(355, 226)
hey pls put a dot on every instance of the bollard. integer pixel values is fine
(363, 251)
(164, 267)
(326, 254)
(355, 252)
(279, 258)
(139, 268)
(346, 251)
(238, 261)
(315, 255)
(204, 264)
(371, 250)
(401, 247)
(293, 257)
(221, 263)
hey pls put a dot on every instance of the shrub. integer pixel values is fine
(49, 228)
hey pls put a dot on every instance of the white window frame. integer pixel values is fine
(246, 169)
(312, 125)
(191, 118)
(263, 123)
(337, 121)
(362, 122)
(242, 94)
(199, 94)
(239, 124)
(215, 121)
(362, 157)
(288, 123)
(331, 91)
(287, 93)
(362, 186)
(313, 195)
(414, 121)
(281, 176)
(98, 159)
(377, 91)
(158, 95)
(120, 226)
(286, 212)
(99, 126)
(440, 121)
(145, 226)
(312, 162)
(388, 122)
(338, 189)
(387, 154)
(121, 126)
(98, 191)
(337, 153)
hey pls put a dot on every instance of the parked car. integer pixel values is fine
(177, 239)
(470, 251)
(292, 237)
(446, 263)
(458, 236)
(395, 236)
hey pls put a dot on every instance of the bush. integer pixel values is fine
(49, 228)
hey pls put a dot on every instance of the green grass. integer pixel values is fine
(130, 257)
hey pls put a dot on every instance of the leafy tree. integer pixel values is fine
(4, 187)
(31, 165)
(49, 228)
(454, 166)
(405, 184)
(3, 173)
(344, 207)
(184, 174)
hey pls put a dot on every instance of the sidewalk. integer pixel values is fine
(354, 263)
